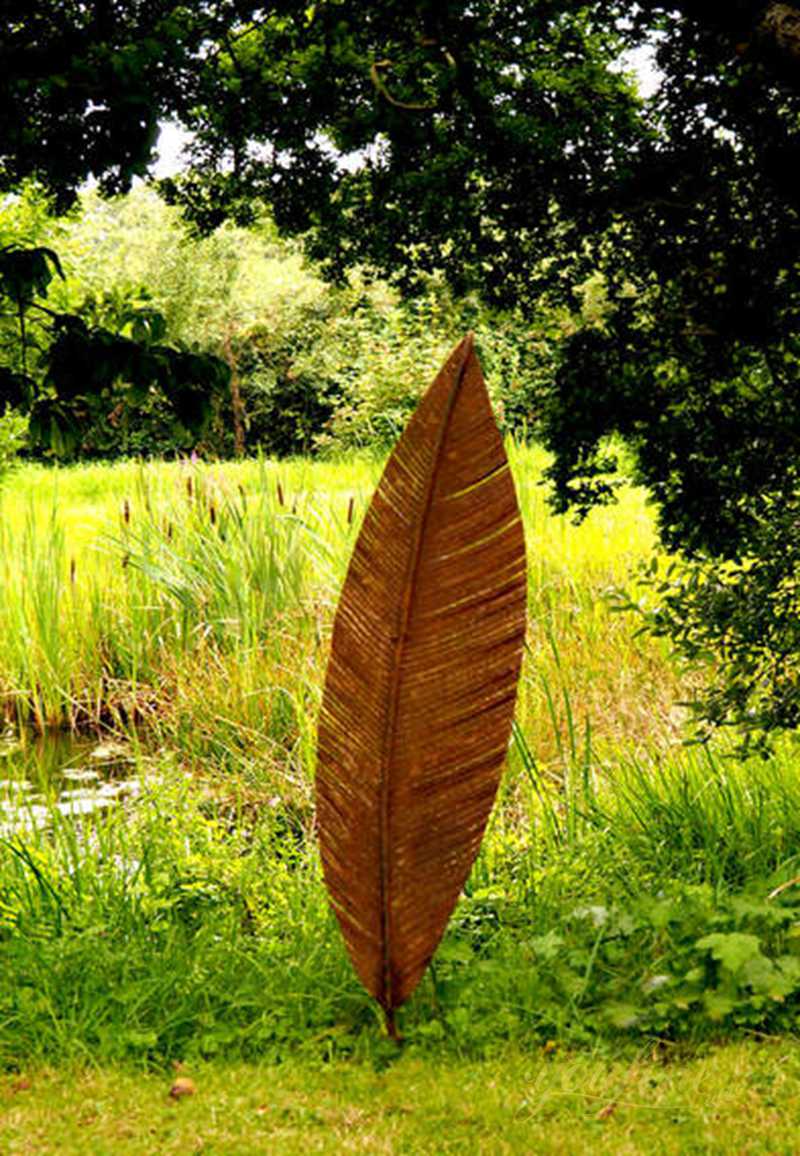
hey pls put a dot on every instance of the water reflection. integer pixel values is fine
(60, 773)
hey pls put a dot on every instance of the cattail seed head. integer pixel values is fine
(280, 494)
(350, 508)
(126, 512)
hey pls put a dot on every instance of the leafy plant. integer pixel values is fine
(13, 433)
(738, 622)
(70, 375)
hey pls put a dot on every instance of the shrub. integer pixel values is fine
(13, 430)
(345, 369)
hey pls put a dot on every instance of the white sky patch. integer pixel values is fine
(642, 62)
(170, 150)
(353, 161)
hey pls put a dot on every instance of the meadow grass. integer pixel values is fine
(195, 924)
(201, 597)
(629, 888)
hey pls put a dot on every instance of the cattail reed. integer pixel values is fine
(72, 571)
(189, 487)
(280, 495)
(212, 513)
(350, 508)
(126, 512)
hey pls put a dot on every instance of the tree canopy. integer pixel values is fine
(504, 146)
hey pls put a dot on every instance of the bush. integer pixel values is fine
(13, 431)
(319, 368)
(346, 369)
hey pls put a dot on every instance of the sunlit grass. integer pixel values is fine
(741, 1098)
(199, 598)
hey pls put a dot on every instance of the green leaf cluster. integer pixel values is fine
(70, 372)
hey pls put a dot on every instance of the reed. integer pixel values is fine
(199, 598)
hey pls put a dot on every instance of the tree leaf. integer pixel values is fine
(732, 949)
(421, 683)
(24, 273)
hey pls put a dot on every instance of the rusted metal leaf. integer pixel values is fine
(421, 683)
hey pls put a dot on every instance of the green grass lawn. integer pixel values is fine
(742, 1098)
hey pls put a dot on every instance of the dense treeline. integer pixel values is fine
(313, 367)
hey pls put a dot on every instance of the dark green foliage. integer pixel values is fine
(86, 379)
(476, 119)
(26, 273)
(740, 615)
(697, 362)
(93, 373)
(487, 134)
(82, 86)
(16, 389)
(287, 394)
(286, 412)
(346, 368)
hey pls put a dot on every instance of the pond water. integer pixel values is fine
(60, 773)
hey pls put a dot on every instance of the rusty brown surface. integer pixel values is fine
(421, 683)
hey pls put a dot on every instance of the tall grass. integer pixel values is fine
(162, 930)
(94, 630)
(197, 925)
(199, 598)
(699, 815)
(191, 606)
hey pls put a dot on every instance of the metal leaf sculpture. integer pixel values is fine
(421, 683)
